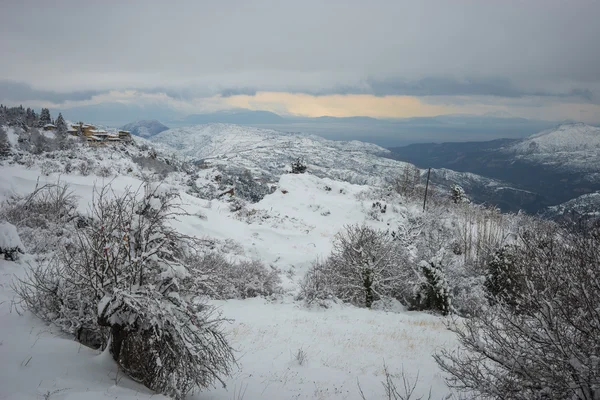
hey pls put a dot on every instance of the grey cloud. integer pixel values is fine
(18, 91)
(198, 48)
(238, 91)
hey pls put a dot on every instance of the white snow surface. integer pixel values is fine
(9, 237)
(343, 344)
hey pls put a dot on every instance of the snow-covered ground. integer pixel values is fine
(288, 230)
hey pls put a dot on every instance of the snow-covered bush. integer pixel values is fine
(157, 165)
(316, 286)
(458, 195)
(10, 243)
(104, 171)
(547, 347)
(244, 184)
(43, 218)
(85, 167)
(124, 276)
(218, 278)
(365, 265)
(298, 166)
(170, 344)
(50, 167)
(504, 280)
(433, 293)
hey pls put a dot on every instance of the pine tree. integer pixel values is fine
(458, 195)
(503, 282)
(434, 292)
(45, 117)
(4, 143)
(62, 138)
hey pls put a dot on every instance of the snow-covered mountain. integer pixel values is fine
(269, 153)
(564, 138)
(145, 128)
(586, 206)
(568, 147)
(557, 164)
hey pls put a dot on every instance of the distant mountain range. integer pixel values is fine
(268, 153)
(557, 165)
(384, 132)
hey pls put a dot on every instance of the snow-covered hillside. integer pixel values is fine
(269, 153)
(563, 138)
(570, 148)
(587, 205)
(288, 230)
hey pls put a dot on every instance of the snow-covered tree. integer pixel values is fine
(548, 347)
(503, 279)
(458, 195)
(4, 143)
(45, 117)
(365, 265)
(62, 136)
(123, 282)
(298, 166)
(433, 293)
(39, 142)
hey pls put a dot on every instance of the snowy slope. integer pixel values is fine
(564, 138)
(288, 229)
(587, 205)
(269, 153)
(568, 148)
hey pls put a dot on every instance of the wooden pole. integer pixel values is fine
(426, 187)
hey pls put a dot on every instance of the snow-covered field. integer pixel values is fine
(284, 349)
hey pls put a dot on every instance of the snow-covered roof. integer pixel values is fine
(121, 131)
(49, 126)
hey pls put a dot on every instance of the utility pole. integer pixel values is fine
(426, 187)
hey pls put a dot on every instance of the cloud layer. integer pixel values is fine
(452, 55)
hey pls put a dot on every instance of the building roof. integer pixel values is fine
(49, 126)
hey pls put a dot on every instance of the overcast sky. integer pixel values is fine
(383, 58)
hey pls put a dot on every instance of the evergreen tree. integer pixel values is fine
(503, 283)
(4, 144)
(62, 134)
(458, 195)
(434, 292)
(45, 117)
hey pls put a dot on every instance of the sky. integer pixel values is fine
(537, 59)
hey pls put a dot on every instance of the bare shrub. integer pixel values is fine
(49, 203)
(124, 277)
(301, 357)
(365, 265)
(394, 389)
(152, 163)
(85, 167)
(540, 339)
(219, 278)
(49, 167)
(104, 171)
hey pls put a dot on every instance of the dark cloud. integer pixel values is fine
(18, 91)
(238, 91)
